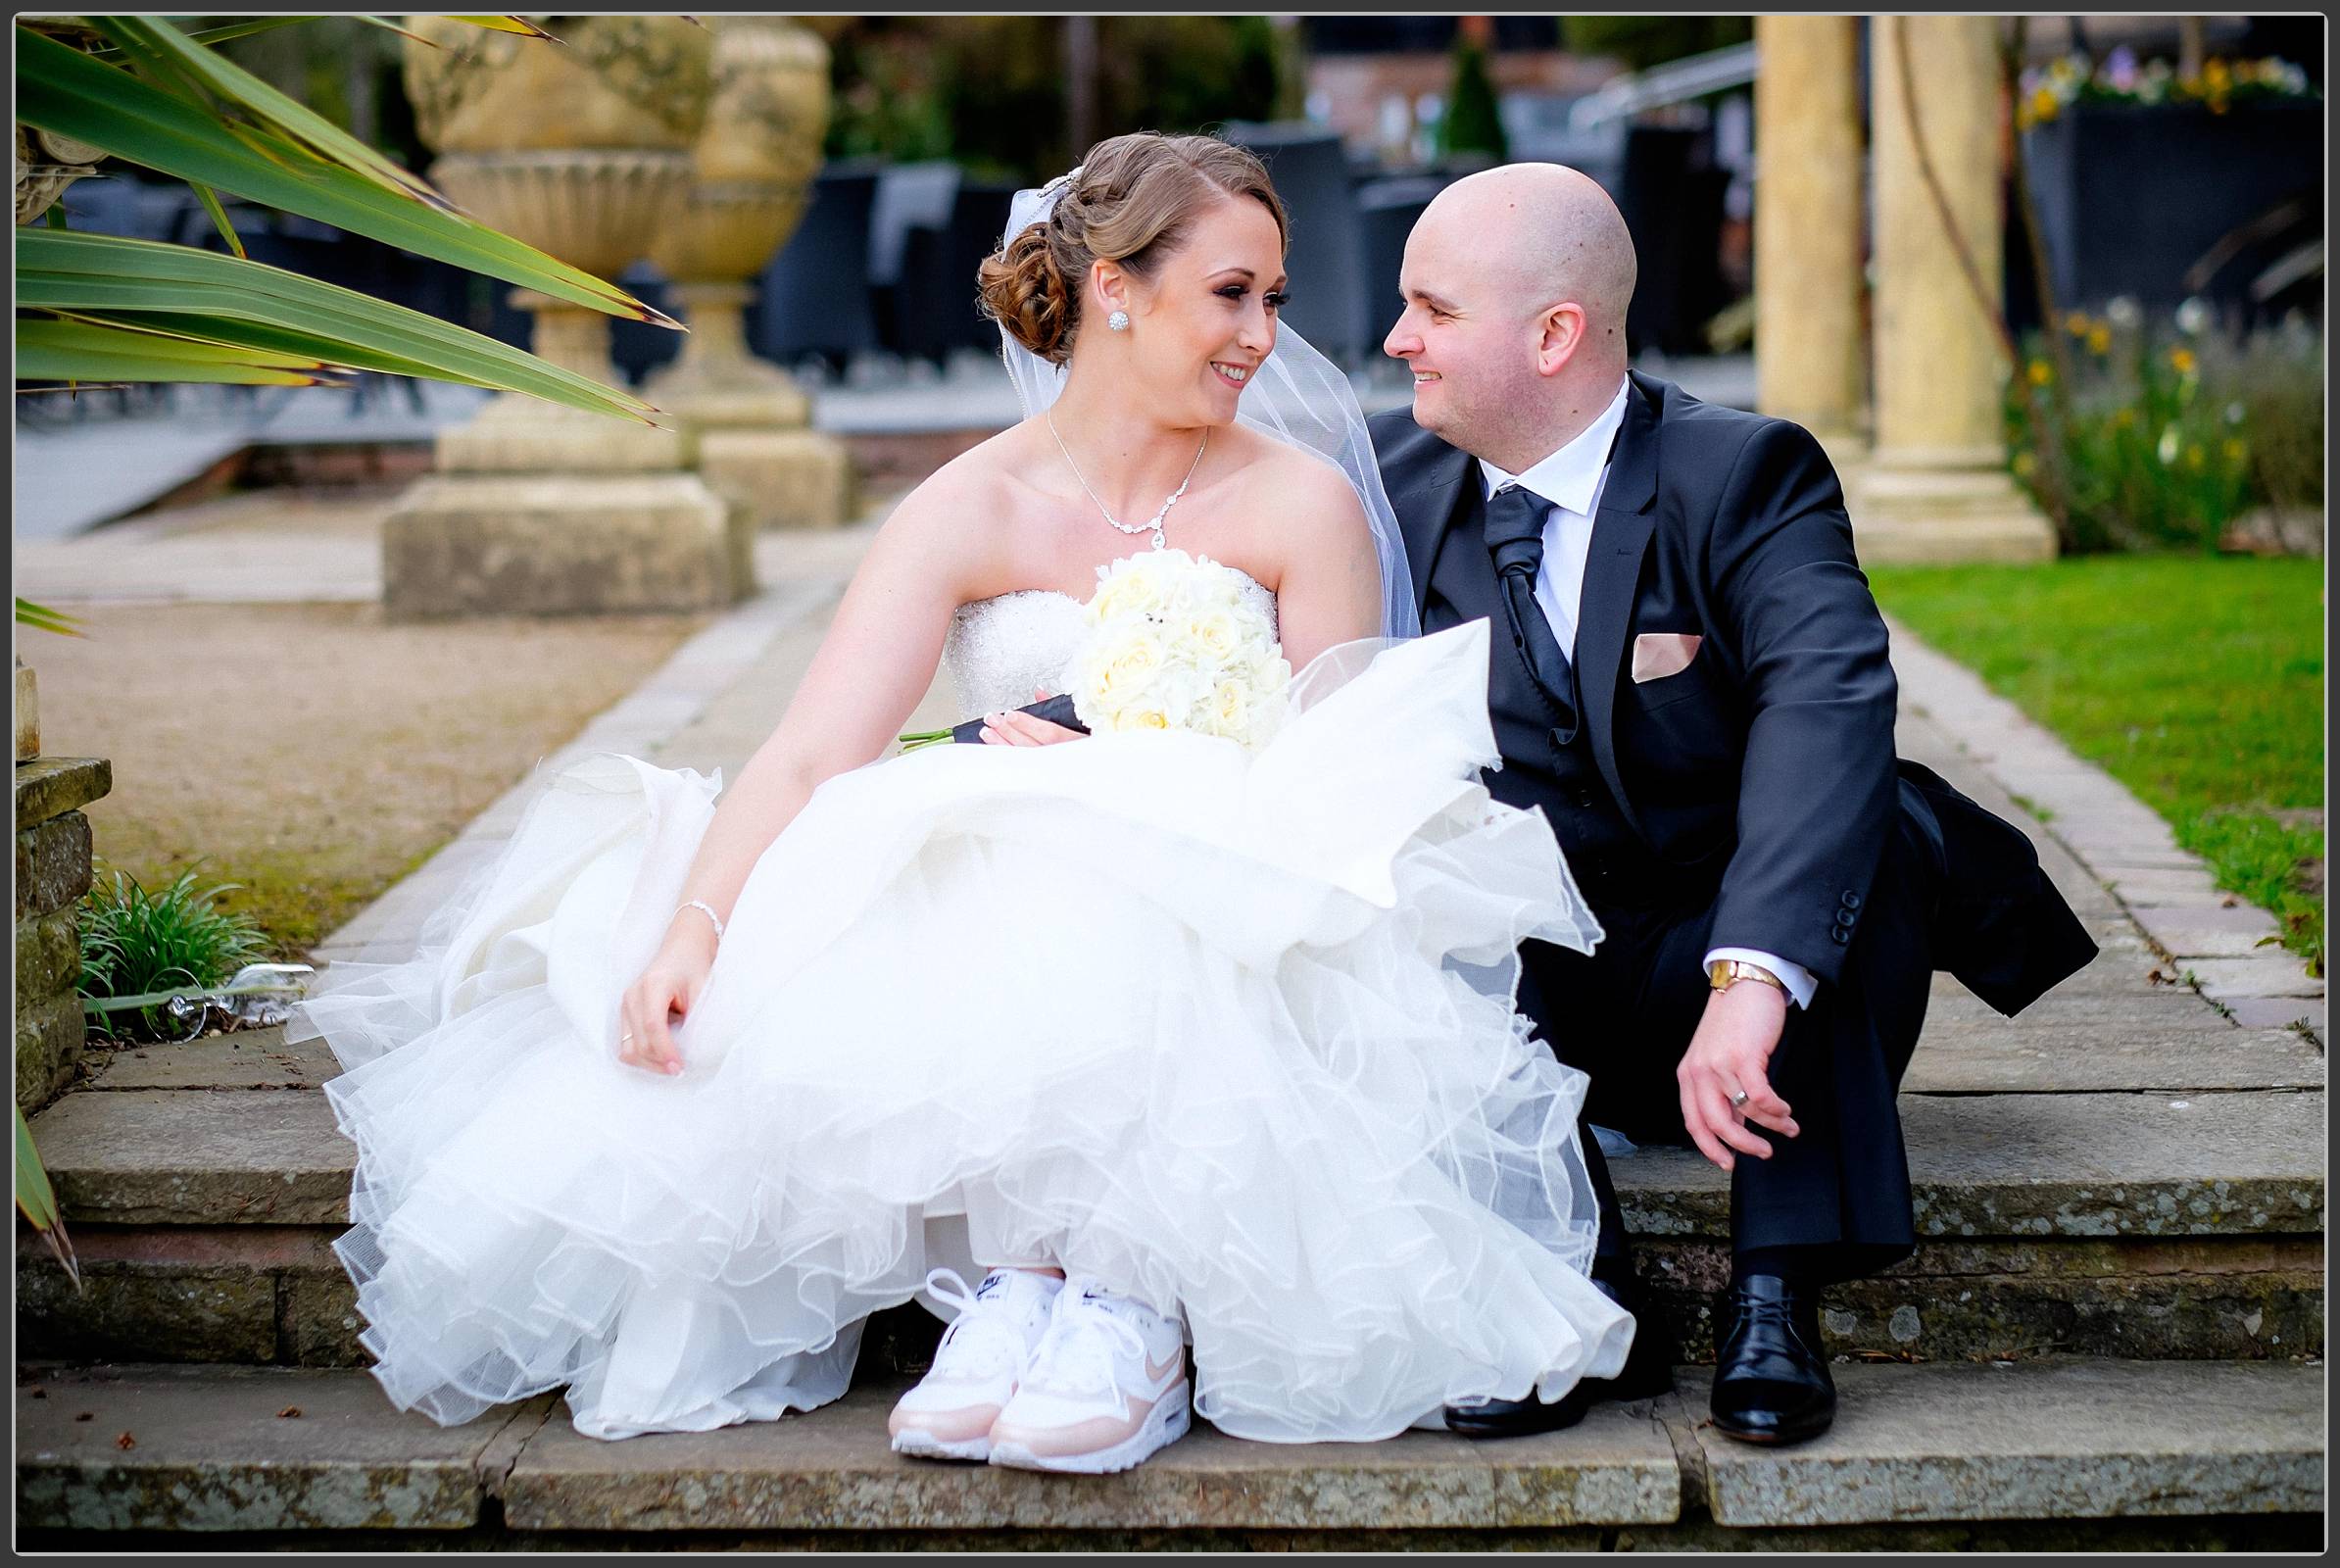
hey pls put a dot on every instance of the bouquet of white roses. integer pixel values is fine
(1173, 644)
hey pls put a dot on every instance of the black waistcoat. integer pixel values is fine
(1609, 860)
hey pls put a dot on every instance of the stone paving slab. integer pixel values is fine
(2015, 1057)
(833, 1470)
(2029, 1164)
(2210, 930)
(213, 1451)
(248, 1058)
(2279, 1013)
(232, 1449)
(2053, 1438)
(2070, 1164)
(159, 1156)
(2276, 974)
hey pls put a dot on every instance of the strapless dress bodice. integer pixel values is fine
(1001, 650)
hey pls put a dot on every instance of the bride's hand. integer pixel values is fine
(1016, 727)
(663, 997)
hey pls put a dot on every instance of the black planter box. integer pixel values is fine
(2132, 195)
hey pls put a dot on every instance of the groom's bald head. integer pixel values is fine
(1516, 284)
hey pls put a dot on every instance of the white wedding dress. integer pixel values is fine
(1231, 1031)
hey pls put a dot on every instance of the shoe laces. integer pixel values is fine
(981, 1334)
(1077, 1353)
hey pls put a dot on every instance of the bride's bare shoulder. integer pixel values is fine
(1298, 489)
(958, 507)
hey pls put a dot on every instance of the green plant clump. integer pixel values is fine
(134, 943)
(2169, 438)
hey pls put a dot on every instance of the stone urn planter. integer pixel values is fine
(742, 418)
(48, 164)
(582, 148)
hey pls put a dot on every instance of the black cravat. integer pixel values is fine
(1515, 539)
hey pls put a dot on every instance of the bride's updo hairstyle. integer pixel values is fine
(1133, 203)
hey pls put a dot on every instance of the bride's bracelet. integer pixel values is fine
(708, 909)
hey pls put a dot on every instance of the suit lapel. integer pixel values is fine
(1428, 499)
(1620, 533)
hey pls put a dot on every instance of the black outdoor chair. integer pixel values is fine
(815, 296)
(638, 348)
(909, 197)
(934, 304)
(1326, 261)
(1386, 211)
(1671, 193)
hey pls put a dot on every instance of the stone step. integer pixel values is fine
(2054, 1451)
(205, 1183)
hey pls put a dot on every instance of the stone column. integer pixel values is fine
(1936, 488)
(1807, 241)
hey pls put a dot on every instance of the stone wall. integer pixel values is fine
(53, 871)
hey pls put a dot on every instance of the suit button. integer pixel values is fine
(1841, 935)
(1845, 917)
(1852, 900)
(1584, 799)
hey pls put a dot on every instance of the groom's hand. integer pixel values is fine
(1731, 1052)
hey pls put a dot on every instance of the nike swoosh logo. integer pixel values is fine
(1176, 1363)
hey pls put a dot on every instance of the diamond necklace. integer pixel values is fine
(1133, 529)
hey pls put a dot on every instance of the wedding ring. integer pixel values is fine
(624, 1038)
(1739, 1100)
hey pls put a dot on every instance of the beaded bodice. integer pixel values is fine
(1000, 651)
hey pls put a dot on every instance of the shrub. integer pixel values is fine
(134, 942)
(2167, 437)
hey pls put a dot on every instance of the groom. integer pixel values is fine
(1690, 677)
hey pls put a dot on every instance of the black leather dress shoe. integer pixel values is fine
(1648, 1372)
(1772, 1381)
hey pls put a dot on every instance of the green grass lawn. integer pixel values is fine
(2195, 681)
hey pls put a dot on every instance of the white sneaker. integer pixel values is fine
(1106, 1387)
(977, 1365)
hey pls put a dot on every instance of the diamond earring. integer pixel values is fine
(1119, 320)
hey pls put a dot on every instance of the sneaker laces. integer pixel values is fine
(993, 1344)
(1076, 1355)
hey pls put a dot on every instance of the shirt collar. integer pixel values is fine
(1571, 476)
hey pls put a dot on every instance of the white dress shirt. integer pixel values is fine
(1571, 480)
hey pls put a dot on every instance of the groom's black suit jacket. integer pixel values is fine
(1764, 769)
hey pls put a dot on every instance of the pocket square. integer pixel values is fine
(1659, 654)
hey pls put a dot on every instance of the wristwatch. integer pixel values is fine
(1723, 971)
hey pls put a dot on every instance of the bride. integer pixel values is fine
(1160, 1040)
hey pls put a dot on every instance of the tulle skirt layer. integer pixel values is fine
(1232, 1032)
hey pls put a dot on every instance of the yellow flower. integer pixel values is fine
(2123, 418)
(2076, 324)
(2023, 463)
(2100, 338)
(2183, 360)
(2236, 451)
(2041, 376)
(1130, 720)
(2218, 76)
(2043, 103)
